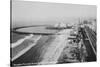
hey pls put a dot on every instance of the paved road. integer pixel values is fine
(92, 37)
(89, 39)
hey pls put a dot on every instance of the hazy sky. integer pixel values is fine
(27, 12)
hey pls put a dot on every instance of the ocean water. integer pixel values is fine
(40, 29)
(15, 36)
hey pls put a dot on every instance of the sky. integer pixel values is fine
(33, 13)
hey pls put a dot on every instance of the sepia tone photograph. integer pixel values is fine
(44, 33)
